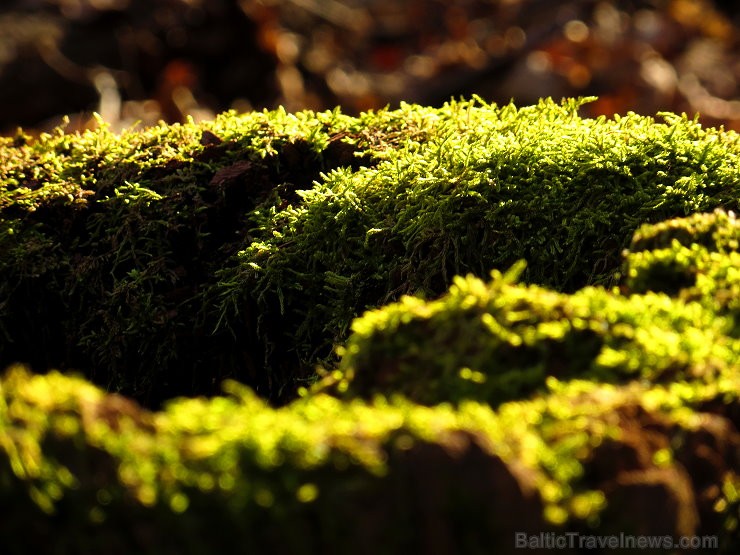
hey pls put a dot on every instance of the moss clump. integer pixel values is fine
(501, 406)
(91, 470)
(692, 259)
(498, 341)
(476, 187)
(164, 260)
(111, 244)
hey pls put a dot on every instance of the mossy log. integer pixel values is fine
(161, 261)
(477, 321)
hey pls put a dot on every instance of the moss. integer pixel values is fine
(231, 469)
(111, 244)
(579, 392)
(172, 257)
(498, 341)
(482, 187)
(692, 259)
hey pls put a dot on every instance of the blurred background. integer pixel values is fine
(149, 60)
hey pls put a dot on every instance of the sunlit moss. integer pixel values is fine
(291, 225)
(254, 245)
(499, 340)
(263, 457)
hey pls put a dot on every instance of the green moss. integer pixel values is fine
(498, 341)
(576, 393)
(692, 259)
(231, 469)
(481, 187)
(111, 244)
(172, 257)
